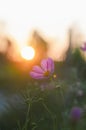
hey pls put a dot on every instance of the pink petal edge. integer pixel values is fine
(38, 69)
(36, 75)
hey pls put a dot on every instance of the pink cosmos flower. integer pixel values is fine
(44, 71)
(83, 48)
(80, 93)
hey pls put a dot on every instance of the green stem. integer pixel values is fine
(53, 117)
(27, 116)
(62, 95)
(74, 125)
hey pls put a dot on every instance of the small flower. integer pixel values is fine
(83, 48)
(54, 76)
(75, 114)
(44, 71)
(78, 84)
(80, 93)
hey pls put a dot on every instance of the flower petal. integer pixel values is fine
(83, 48)
(36, 75)
(38, 69)
(44, 64)
(50, 65)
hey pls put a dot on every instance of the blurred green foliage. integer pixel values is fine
(23, 105)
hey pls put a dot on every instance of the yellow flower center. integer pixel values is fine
(47, 73)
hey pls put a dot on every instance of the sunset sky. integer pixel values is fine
(53, 17)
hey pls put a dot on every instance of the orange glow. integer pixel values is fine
(28, 53)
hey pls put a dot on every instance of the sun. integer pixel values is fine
(28, 53)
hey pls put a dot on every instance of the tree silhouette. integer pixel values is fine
(40, 45)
